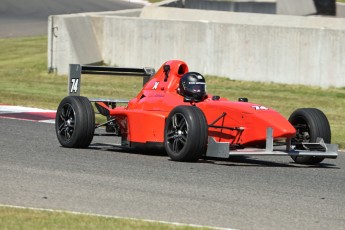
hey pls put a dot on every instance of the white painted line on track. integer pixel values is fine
(115, 217)
(47, 121)
(21, 109)
(50, 121)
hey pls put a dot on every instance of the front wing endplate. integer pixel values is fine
(222, 149)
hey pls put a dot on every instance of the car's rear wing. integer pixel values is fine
(76, 70)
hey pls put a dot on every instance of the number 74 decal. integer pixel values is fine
(74, 87)
(259, 107)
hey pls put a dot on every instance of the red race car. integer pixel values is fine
(174, 112)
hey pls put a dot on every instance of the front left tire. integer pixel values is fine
(186, 133)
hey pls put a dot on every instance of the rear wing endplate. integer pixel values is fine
(76, 70)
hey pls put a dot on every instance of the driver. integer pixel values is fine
(192, 86)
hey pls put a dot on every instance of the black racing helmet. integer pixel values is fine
(193, 86)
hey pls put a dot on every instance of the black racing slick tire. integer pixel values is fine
(185, 134)
(75, 122)
(310, 123)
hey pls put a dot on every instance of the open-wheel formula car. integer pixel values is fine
(174, 112)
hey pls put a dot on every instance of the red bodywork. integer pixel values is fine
(244, 123)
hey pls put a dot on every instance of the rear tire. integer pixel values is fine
(310, 123)
(186, 133)
(75, 122)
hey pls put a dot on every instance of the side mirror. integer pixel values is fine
(243, 99)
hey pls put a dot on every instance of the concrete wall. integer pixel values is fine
(171, 3)
(253, 47)
(254, 6)
(340, 10)
(296, 7)
(168, 13)
(283, 7)
(71, 38)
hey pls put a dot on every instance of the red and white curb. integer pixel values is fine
(27, 113)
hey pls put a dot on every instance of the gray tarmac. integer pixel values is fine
(20, 18)
(242, 193)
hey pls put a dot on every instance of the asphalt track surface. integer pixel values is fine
(244, 193)
(30, 17)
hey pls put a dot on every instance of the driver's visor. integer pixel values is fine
(196, 87)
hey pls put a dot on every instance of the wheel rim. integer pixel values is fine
(177, 133)
(66, 122)
(302, 131)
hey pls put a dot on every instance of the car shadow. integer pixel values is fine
(233, 161)
(247, 161)
(115, 148)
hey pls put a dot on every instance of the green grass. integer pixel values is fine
(24, 80)
(17, 218)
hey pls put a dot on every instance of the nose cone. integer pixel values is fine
(282, 128)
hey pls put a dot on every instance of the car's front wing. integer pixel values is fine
(319, 149)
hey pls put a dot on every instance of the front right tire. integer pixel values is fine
(310, 123)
